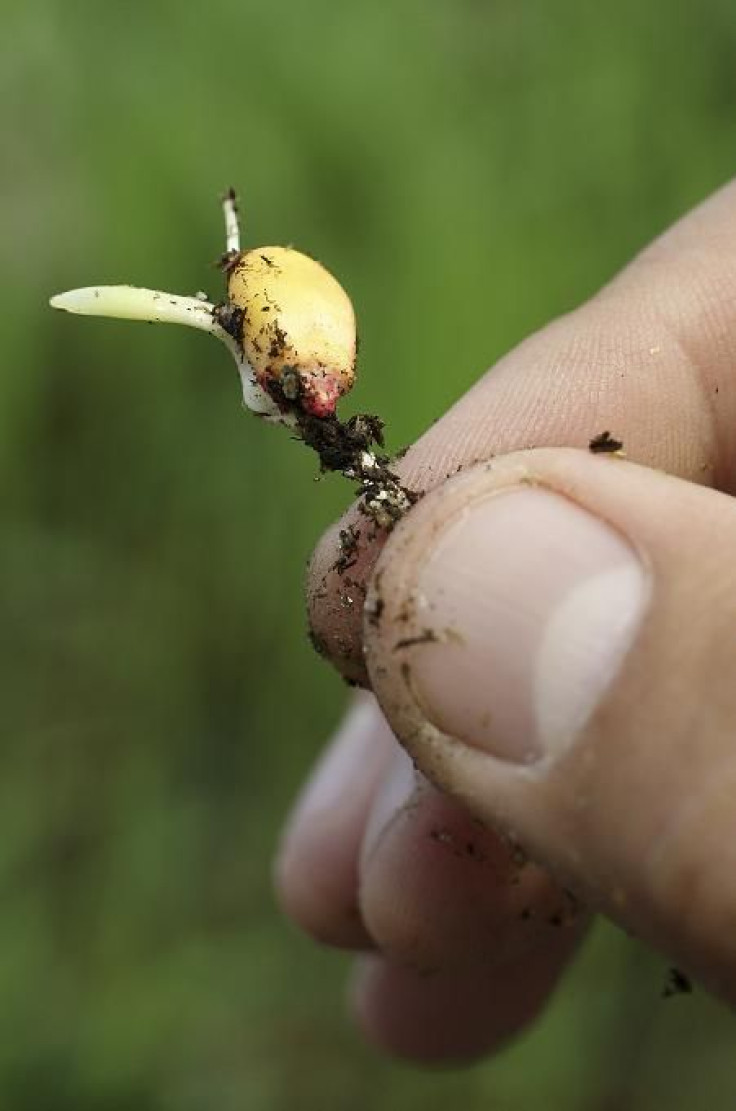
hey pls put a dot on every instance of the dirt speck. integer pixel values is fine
(375, 604)
(427, 636)
(677, 983)
(605, 444)
(349, 540)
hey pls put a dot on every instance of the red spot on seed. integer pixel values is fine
(322, 391)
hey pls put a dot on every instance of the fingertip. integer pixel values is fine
(449, 1019)
(316, 888)
(316, 868)
(440, 891)
(598, 724)
(336, 589)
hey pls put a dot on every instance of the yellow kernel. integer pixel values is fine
(297, 328)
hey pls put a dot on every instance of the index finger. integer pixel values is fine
(649, 358)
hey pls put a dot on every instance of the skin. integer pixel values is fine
(460, 949)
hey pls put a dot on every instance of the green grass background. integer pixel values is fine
(485, 165)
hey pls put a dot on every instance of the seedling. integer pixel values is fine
(290, 327)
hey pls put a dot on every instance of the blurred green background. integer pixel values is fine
(502, 158)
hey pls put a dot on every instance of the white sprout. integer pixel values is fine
(127, 302)
(232, 224)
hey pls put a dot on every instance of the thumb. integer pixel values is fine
(553, 638)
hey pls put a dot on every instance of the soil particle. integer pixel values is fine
(427, 636)
(463, 850)
(374, 611)
(279, 341)
(349, 538)
(567, 914)
(605, 444)
(230, 318)
(375, 604)
(317, 642)
(677, 983)
(406, 612)
(349, 448)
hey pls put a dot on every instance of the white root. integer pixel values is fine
(232, 224)
(127, 302)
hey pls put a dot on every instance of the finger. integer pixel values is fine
(473, 935)
(442, 893)
(568, 676)
(316, 873)
(452, 1017)
(649, 358)
(434, 888)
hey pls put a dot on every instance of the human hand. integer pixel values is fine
(552, 637)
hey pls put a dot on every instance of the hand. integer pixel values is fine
(551, 634)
